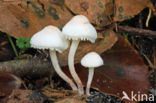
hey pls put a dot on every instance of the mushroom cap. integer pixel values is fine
(92, 59)
(49, 37)
(79, 27)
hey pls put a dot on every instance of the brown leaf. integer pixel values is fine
(20, 19)
(98, 11)
(126, 9)
(8, 82)
(124, 70)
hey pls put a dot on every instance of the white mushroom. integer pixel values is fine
(91, 60)
(51, 38)
(78, 28)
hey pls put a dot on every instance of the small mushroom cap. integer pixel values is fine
(51, 38)
(79, 27)
(92, 59)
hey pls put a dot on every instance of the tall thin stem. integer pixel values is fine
(71, 55)
(90, 78)
(59, 71)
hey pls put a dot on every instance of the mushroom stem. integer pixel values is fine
(71, 55)
(59, 71)
(90, 78)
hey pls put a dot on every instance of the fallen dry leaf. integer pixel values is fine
(21, 19)
(98, 11)
(126, 9)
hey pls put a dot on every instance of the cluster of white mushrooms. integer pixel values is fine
(78, 28)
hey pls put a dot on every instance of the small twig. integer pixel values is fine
(153, 67)
(13, 46)
(136, 31)
(51, 82)
(148, 17)
(33, 67)
(149, 62)
(23, 83)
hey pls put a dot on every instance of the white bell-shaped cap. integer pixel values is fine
(79, 27)
(51, 38)
(92, 59)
